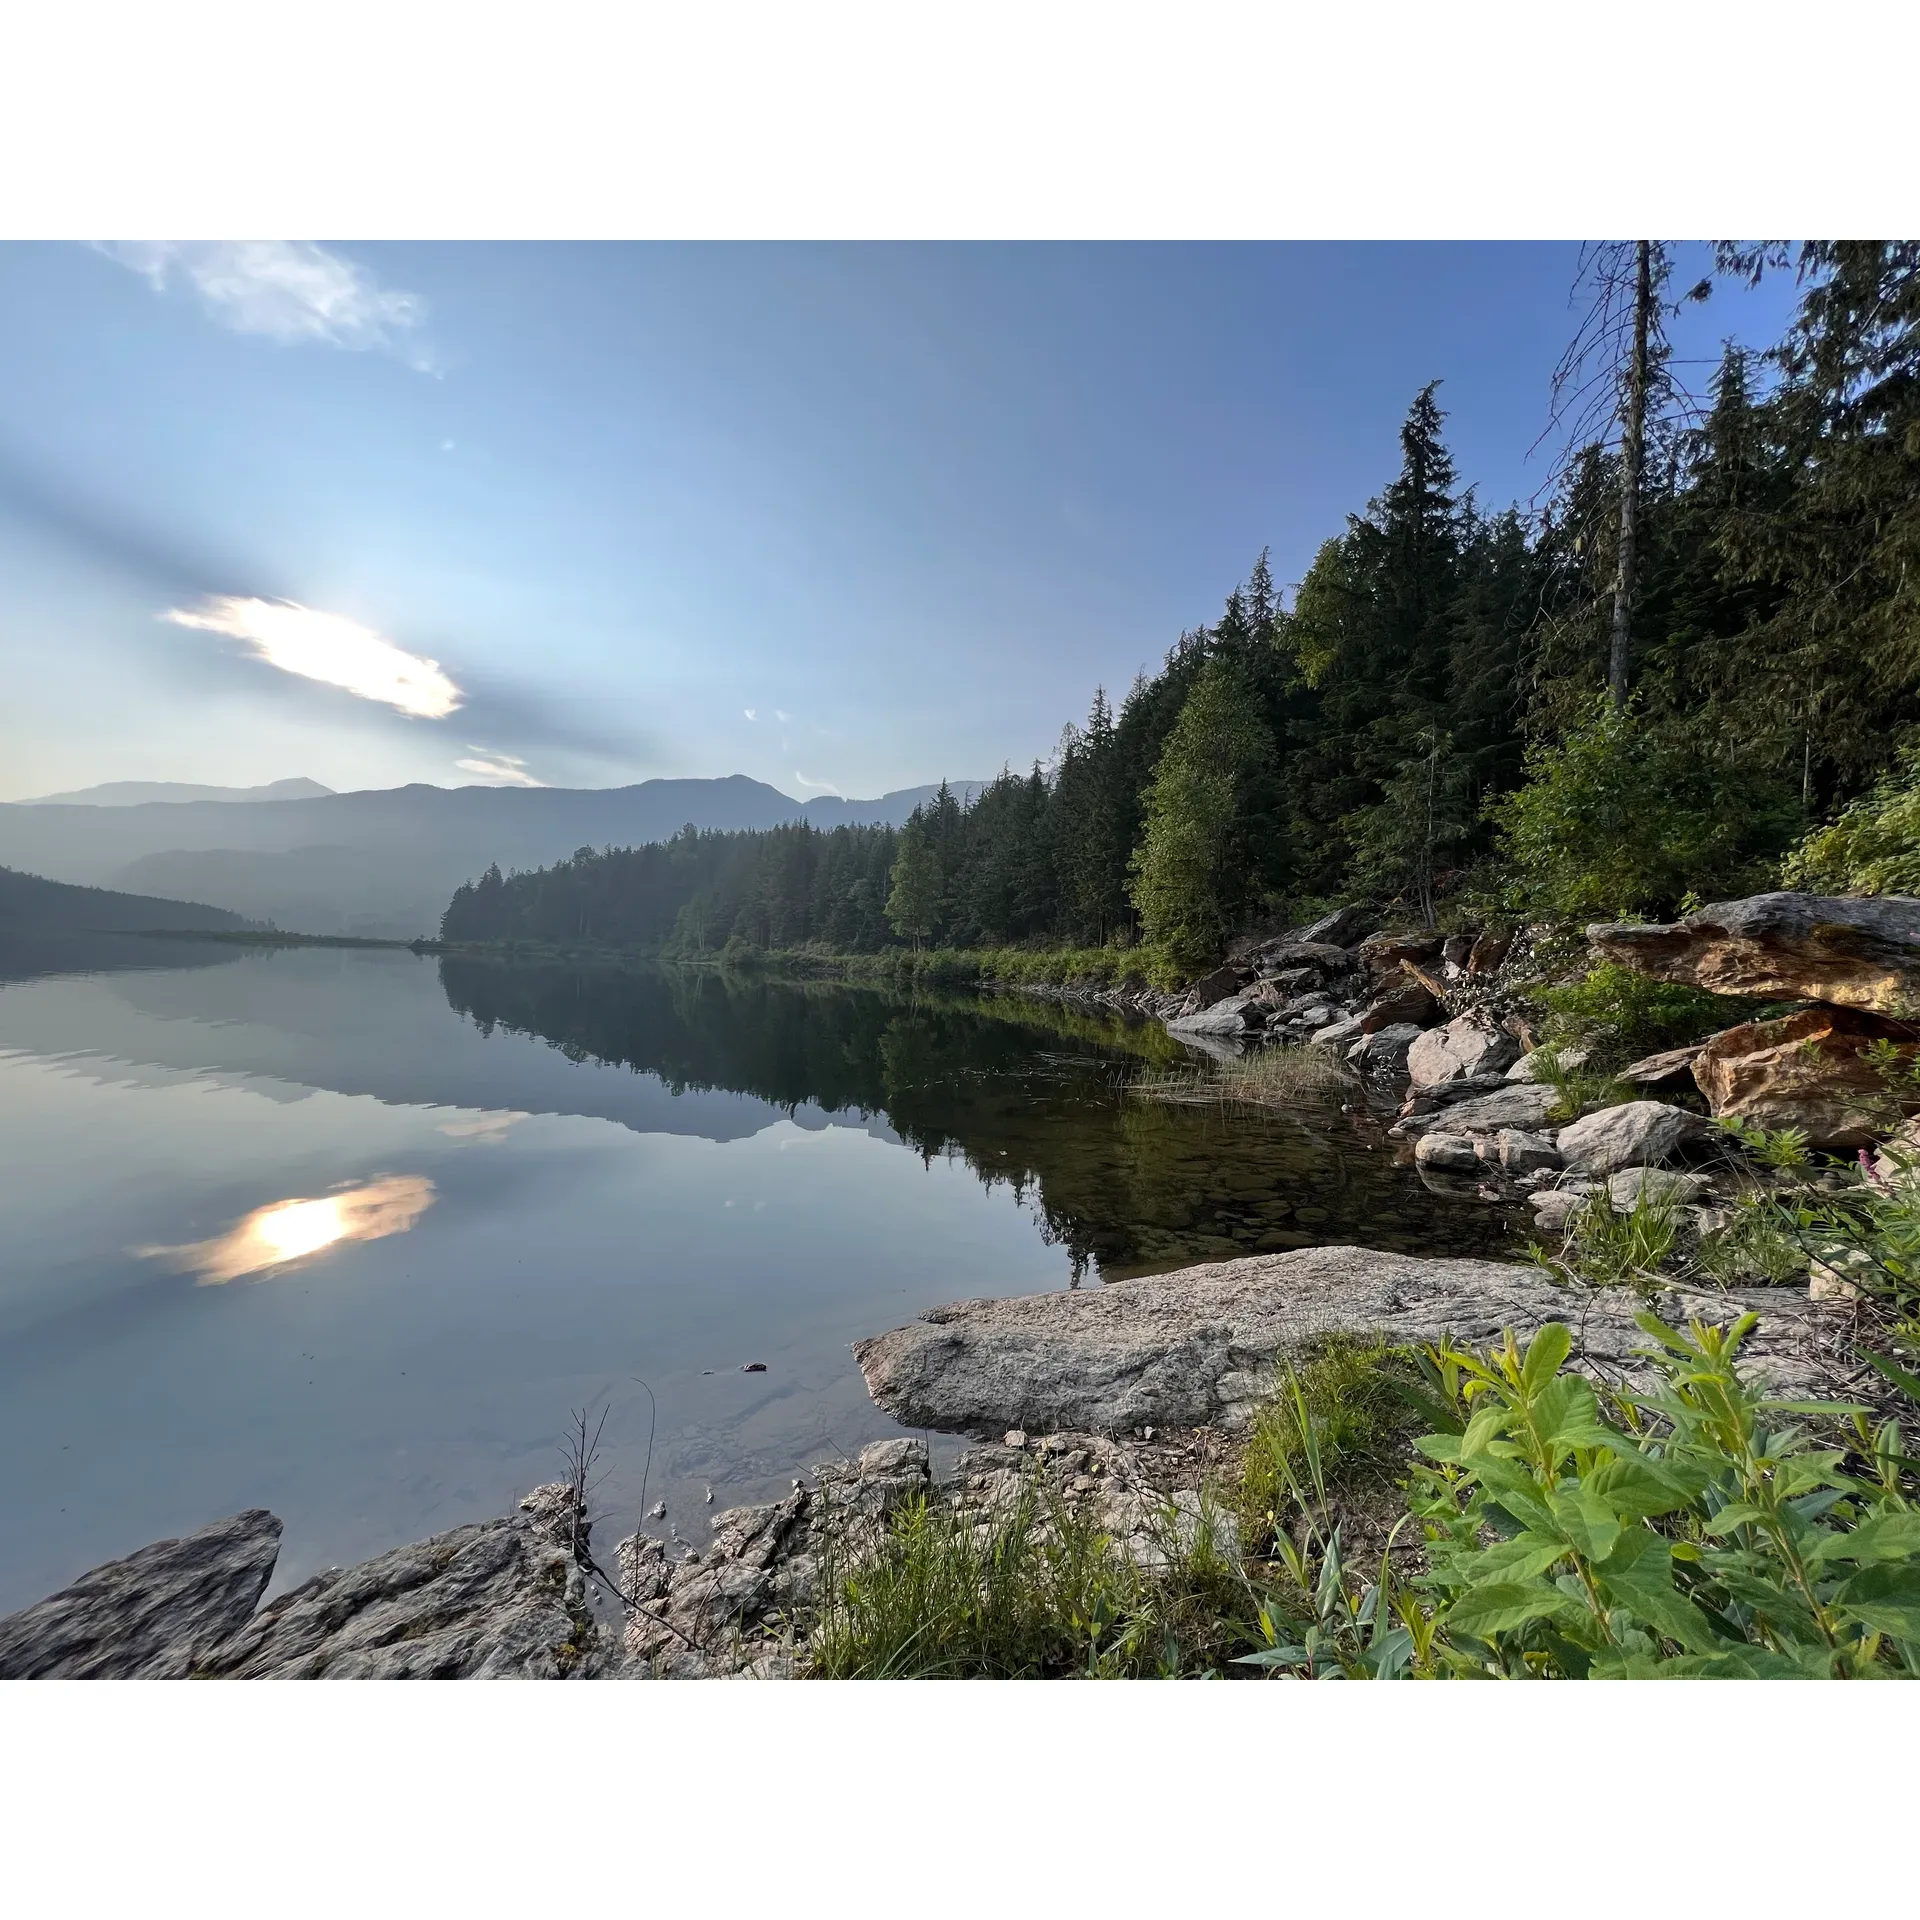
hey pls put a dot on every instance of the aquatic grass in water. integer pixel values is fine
(1272, 1077)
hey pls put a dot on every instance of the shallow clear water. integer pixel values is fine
(350, 1234)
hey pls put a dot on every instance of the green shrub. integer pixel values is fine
(1619, 818)
(1619, 1015)
(1874, 846)
(1701, 1529)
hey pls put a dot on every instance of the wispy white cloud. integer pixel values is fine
(749, 712)
(329, 648)
(288, 290)
(780, 716)
(503, 769)
(818, 786)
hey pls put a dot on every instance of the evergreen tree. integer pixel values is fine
(917, 891)
(1211, 827)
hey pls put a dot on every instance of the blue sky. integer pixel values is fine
(850, 517)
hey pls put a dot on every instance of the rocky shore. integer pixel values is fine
(1117, 1400)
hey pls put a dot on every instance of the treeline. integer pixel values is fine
(1458, 711)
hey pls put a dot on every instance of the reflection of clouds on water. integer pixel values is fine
(289, 1230)
(483, 1128)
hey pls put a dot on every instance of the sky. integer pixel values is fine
(844, 518)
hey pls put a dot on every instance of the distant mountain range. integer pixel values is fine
(140, 793)
(384, 862)
(31, 905)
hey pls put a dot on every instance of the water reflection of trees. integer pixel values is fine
(1028, 1093)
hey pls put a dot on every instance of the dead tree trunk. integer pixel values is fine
(1632, 459)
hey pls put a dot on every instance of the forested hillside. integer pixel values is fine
(1701, 653)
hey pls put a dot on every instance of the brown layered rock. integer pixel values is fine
(1669, 1069)
(1385, 951)
(1809, 1070)
(1401, 1001)
(1786, 946)
(1490, 951)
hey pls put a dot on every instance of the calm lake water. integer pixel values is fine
(350, 1234)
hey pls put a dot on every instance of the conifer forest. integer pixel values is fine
(1689, 670)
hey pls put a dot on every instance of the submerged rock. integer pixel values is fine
(1236, 1014)
(1786, 946)
(1202, 1347)
(150, 1616)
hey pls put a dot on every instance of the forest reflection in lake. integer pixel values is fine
(449, 1201)
(1028, 1092)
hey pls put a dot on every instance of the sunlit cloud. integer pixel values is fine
(329, 648)
(483, 1129)
(502, 769)
(286, 290)
(818, 786)
(289, 1230)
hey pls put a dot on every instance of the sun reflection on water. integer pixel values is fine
(289, 1230)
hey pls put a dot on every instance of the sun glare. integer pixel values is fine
(288, 1230)
(329, 648)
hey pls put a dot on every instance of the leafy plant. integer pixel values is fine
(1620, 1015)
(1874, 846)
(1698, 1529)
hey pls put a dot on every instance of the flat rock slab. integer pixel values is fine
(1786, 946)
(150, 1616)
(1203, 1346)
(499, 1600)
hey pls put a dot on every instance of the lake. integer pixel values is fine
(351, 1234)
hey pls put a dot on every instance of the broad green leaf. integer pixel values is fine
(1887, 1598)
(1506, 1606)
(1639, 1487)
(1520, 1558)
(1638, 1576)
(1587, 1521)
(1569, 1416)
(1887, 1536)
(1546, 1355)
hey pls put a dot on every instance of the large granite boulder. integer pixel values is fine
(1639, 1133)
(151, 1616)
(1461, 1050)
(1786, 946)
(1203, 1346)
(1809, 1070)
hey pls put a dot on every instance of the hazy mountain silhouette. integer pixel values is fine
(139, 793)
(385, 862)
